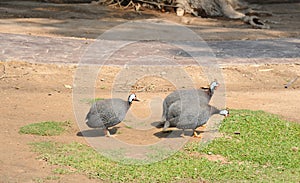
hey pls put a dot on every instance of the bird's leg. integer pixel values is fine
(166, 125)
(202, 128)
(196, 135)
(182, 133)
(106, 132)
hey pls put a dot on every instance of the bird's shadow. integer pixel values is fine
(175, 134)
(157, 124)
(96, 132)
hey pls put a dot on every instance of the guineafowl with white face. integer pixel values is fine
(200, 95)
(109, 112)
(191, 114)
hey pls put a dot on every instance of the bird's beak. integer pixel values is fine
(136, 99)
(228, 112)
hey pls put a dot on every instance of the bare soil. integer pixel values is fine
(37, 92)
(91, 20)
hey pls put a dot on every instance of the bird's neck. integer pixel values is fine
(214, 110)
(210, 92)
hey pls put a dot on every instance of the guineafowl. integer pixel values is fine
(189, 114)
(109, 112)
(200, 94)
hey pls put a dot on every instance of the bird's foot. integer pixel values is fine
(110, 135)
(195, 135)
(182, 135)
(107, 133)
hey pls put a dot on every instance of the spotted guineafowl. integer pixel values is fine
(189, 114)
(109, 112)
(201, 95)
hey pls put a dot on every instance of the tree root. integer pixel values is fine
(185, 6)
(255, 22)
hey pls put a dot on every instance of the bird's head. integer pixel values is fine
(132, 97)
(225, 112)
(214, 85)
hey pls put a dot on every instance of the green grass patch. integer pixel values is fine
(259, 137)
(61, 171)
(46, 179)
(257, 147)
(91, 100)
(46, 128)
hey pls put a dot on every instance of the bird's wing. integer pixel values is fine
(187, 122)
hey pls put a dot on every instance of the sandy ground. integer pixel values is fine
(37, 92)
(89, 21)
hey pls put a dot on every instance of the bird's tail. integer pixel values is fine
(93, 121)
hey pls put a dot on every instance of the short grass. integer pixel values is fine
(46, 179)
(46, 128)
(257, 146)
(90, 101)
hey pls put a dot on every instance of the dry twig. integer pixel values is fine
(291, 82)
(4, 75)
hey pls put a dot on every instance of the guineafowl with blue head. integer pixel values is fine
(109, 112)
(201, 95)
(189, 113)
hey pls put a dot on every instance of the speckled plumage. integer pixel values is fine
(180, 94)
(107, 113)
(201, 96)
(190, 114)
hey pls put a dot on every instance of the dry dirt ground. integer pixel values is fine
(36, 92)
(89, 21)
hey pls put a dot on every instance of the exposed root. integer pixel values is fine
(203, 8)
(118, 3)
(255, 22)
